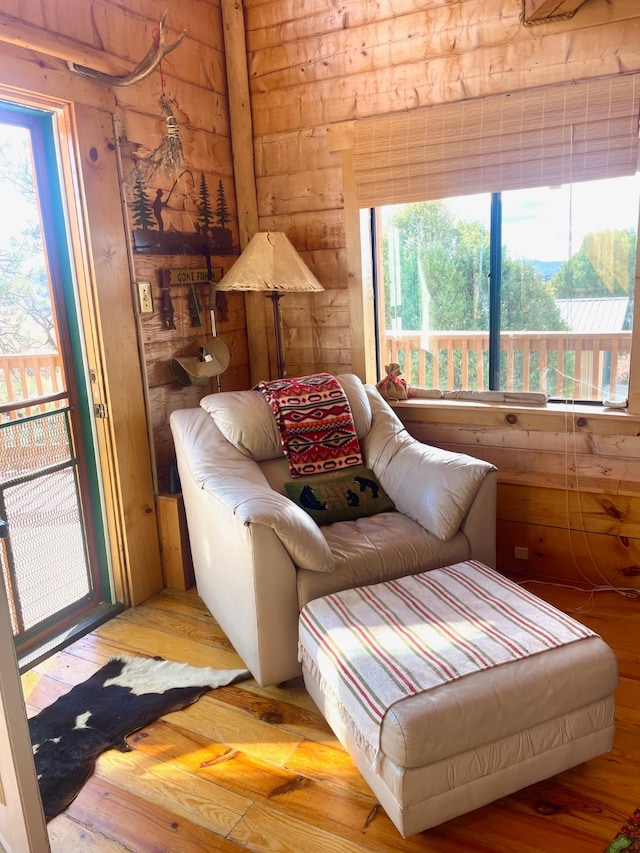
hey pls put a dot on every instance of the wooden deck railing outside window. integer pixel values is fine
(579, 366)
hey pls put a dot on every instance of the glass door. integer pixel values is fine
(53, 555)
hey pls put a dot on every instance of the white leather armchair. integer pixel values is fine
(258, 557)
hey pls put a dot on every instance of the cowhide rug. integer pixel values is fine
(126, 694)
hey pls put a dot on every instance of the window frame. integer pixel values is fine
(494, 370)
(361, 296)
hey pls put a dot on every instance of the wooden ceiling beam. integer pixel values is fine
(15, 31)
(539, 11)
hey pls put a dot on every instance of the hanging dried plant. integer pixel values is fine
(168, 157)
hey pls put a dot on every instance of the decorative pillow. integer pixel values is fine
(353, 495)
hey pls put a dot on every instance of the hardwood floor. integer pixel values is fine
(247, 768)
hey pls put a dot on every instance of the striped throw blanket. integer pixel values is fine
(370, 647)
(315, 422)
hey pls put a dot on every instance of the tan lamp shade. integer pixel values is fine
(269, 262)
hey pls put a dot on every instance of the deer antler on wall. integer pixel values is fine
(145, 67)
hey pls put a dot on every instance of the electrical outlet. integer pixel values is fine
(521, 553)
(145, 299)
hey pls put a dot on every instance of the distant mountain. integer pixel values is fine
(547, 269)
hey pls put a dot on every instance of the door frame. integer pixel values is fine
(95, 602)
(101, 260)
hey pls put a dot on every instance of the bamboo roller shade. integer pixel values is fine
(539, 137)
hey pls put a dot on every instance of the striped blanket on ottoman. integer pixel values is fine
(382, 643)
(453, 687)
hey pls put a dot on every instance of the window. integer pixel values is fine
(514, 149)
(525, 290)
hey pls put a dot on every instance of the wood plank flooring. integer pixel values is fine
(254, 769)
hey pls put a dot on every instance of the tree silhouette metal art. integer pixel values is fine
(154, 222)
(222, 212)
(142, 210)
(205, 214)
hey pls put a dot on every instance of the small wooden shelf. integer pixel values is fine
(175, 550)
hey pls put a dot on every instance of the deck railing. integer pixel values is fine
(582, 366)
(579, 366)
(28, 377)
(32, 425)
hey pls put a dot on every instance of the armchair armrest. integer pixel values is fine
(238, 484)
(434, 487)
(297, 531)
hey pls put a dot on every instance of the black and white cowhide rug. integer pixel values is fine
(126, 694)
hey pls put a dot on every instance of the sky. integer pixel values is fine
(535, 222)
(549, 224)
(16, 211)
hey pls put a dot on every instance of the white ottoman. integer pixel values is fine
(455, 687)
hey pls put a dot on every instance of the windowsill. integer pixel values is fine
(548, 409)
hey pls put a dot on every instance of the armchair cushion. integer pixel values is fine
(246, 421)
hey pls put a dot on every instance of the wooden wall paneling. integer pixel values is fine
(310, 230)
(23, 34)
(281, 58)
(300, 192)
(328, 265)
(555, 467)
(24, 71)
(569, 555)
(300, 332)
(204, 151)
(113, 38)
(194, 78)
(164, 399)
(311, 69)
(307, 230)
(323, 335)
(414, 34)
(289, 152)
(609, 513)
(516, 64)
(267, 27)
(610, 457)
(127, 418)
(520, 462)
(195, 106)
(330, 309)
(536, 11)
(161, 345)
(177, 563)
